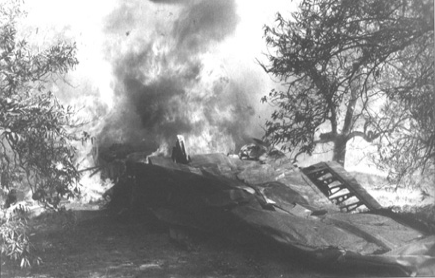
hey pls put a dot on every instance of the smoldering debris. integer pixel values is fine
(271, 200)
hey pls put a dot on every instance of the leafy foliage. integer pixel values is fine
(355, 69)
(14, 236)
(36, 131)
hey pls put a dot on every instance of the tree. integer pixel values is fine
(355, 68)
(35, 129)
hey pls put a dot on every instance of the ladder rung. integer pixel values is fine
(356, 204)
(340, 199)
(319, 174)
(320, 183)
(339, 186)
(324, 190)
(313, 169)
(329, 180)
(316, 170)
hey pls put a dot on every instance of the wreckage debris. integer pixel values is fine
(340, 187)
(252, 151)
(260, 151)
(179, 152)
(243, 199)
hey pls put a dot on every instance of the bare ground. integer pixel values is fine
(100, 245)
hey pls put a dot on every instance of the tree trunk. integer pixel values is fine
(340, 149)
(341, 139)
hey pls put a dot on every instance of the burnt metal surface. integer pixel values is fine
(244, 200)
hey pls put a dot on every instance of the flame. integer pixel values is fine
(150, 70)
(167, 81)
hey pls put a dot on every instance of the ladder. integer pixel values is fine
(339, 187)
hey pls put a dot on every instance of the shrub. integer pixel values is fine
(36, 130)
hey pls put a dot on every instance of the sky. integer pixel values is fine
(150, 70)
(85, 21)
(218, 42)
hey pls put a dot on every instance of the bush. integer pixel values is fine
(36, 130)
(14, 236)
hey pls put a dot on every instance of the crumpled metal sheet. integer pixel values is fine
(210, 197)
(416, 258)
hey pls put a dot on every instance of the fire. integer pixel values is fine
(167, 81)
(150, 70)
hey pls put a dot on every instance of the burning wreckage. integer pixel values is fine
(260, 194)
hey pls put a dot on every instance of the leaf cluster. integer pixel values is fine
(36, 130)
(14, 236)
(358, 67)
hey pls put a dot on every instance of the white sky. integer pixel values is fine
(83, 21)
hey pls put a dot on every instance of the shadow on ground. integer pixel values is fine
(100, 245)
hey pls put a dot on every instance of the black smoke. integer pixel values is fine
(160, 80)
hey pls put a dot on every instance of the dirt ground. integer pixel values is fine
(101, 245)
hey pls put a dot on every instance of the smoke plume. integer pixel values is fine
(167, 80)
